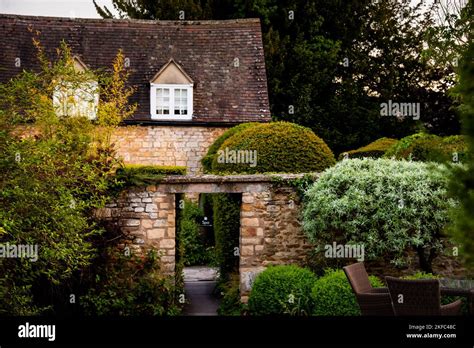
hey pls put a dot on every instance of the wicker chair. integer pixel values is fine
(372, 301)
(420, 297)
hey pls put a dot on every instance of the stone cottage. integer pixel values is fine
(193, 79)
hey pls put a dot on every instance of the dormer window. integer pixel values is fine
(171, 94)
(76, 98)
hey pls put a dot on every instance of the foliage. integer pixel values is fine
(462, 182)
(429, 147)
(130, 285)
(230, 304)
(375, 149)
(279, 147)
(332, 294)
(333, 63)
(114, 96)
(447, 40)
(282, 290)
(387, 206)
(139, 175)
(211, 153)
(301, 184)
(53, 175)
(195, 251)
(226, 211)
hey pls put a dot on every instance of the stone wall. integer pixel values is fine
(270, 233)
(147, 219)
(165, 145)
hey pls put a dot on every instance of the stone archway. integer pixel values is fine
(270, 231)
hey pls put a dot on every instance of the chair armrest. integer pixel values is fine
(379, 291)
(453, 308)
(375, 303)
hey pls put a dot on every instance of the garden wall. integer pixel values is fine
(270, 231)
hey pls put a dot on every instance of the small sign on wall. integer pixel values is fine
(205, 222)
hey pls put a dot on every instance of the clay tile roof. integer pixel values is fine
(205, 50)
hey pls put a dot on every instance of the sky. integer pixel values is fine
(54, 8)
(70, 8)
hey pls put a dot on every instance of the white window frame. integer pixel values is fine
(172, 116)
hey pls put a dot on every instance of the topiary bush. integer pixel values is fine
(332, 294)
(429, 147)
(282, 290)
(206, 161)
(138, 174)
(279, 147)
(389, 207)
(226, 211)
(375, 149)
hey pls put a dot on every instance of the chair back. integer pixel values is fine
(358, 278)
(414, 297)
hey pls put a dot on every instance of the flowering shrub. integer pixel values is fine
(387, 206)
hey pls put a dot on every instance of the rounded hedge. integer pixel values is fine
(332, 294)
(206, 161)
(279, 146)
(282, 290)
(375, 149)
(429, 148)
(226, 219)
(389, 207)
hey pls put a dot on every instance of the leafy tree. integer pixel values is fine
(463, 177)
(331, 64)
(54, 172)
(389, 207)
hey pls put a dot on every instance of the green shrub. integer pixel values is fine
(462, 182)
(282, 290)
(139, 175)
(332, 294)
(428, 147)
(206, 161)
(387, 206)
(375, 149)
(230, 304)
(130, 286)
(194, 249)
(279, 147)
(226, 211)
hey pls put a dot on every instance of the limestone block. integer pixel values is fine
(151, 208)
(246, 250)
(131, 222)
(253, 222)
(156, 233)
(167, 243)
